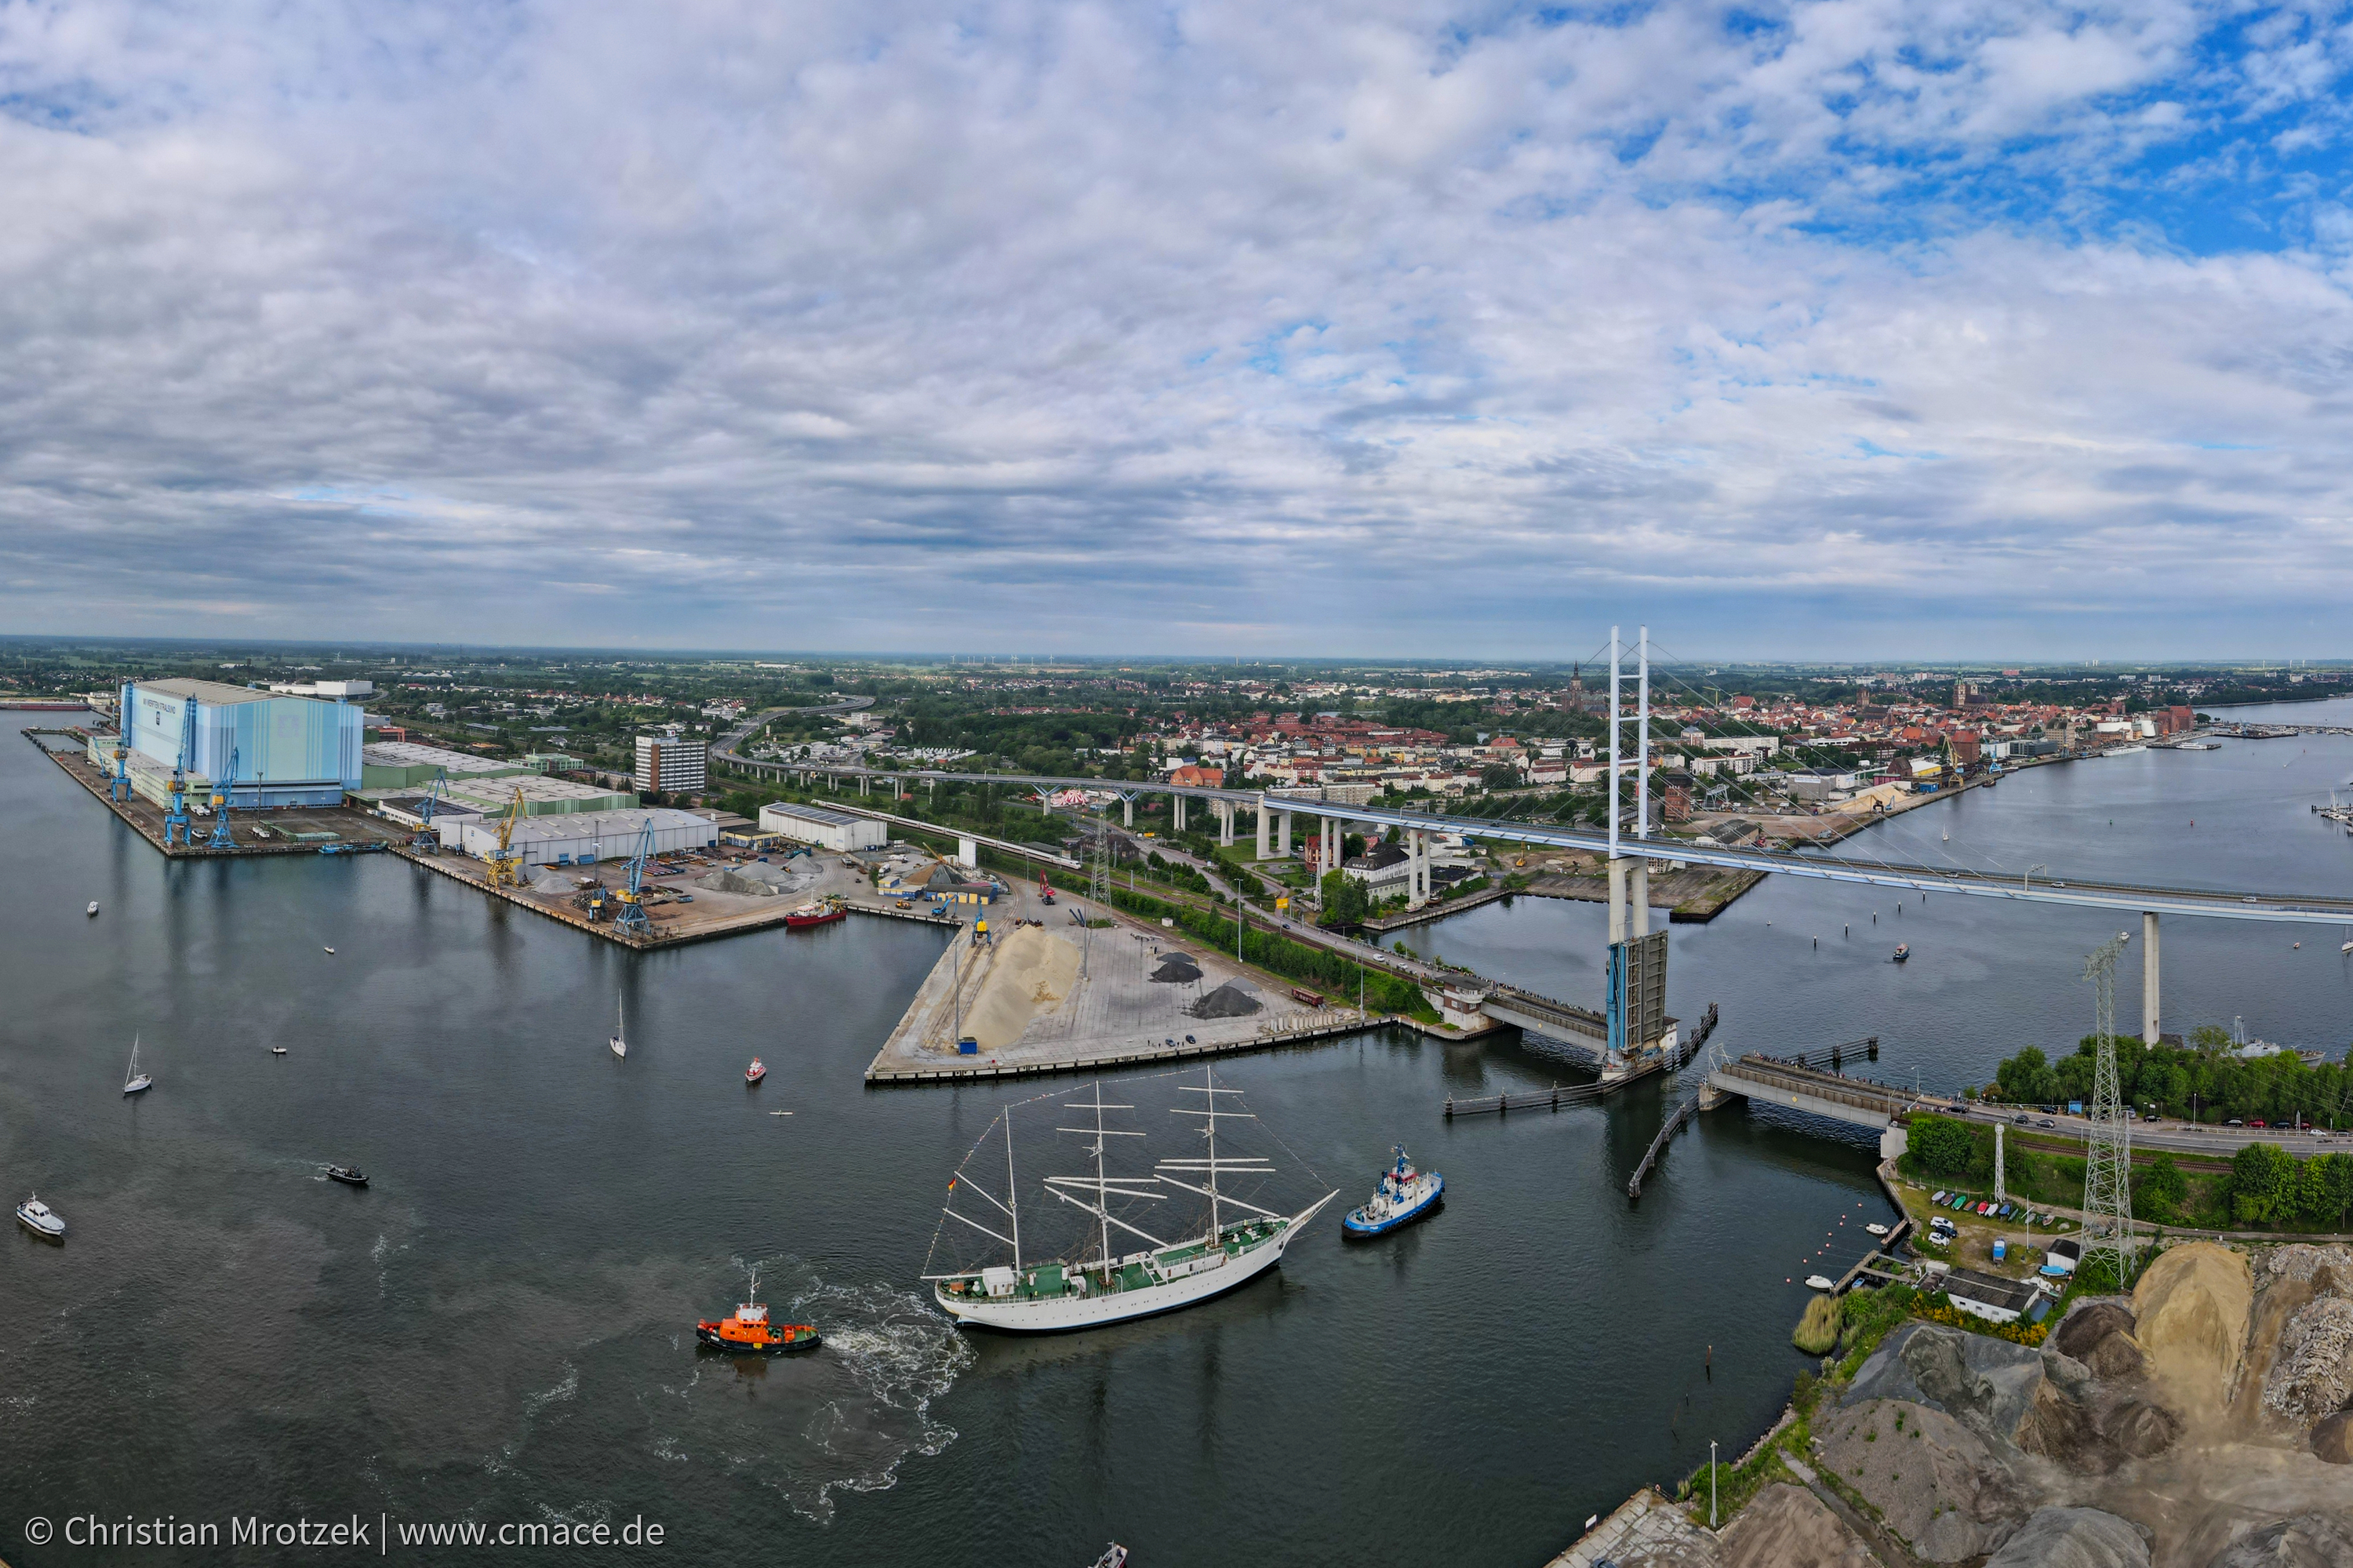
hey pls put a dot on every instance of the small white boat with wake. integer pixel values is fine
(41, 1219)
(619, 1044)
(1876, 1228)
(93, 907)
(1821, 1282)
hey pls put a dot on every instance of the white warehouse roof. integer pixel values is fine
(608, 835)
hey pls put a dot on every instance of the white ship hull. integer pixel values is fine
(1094, 1310)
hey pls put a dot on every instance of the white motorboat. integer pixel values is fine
(1098, 1286)
(1876, 1228)
(93, 907)
(135, 1082)
(41, 1219)
(620, 1046)
(278, 1049)
(330, 952)
(1821, 1282)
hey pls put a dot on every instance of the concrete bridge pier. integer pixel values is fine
(1225, 810)
(1127, 805)
(1416, 869)
(1282, 837)
(1638, 898)
(2148, 1009)
(1265, 851)
(1616, 900)
(1177, 813)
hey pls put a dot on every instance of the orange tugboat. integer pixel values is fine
(750, 1330)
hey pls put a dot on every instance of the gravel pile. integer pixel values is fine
(1178, 969)
(1228, 1001)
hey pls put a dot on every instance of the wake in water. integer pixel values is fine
(842, 1419)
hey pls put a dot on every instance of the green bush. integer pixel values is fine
(1817, 1333)
(1942, 1147)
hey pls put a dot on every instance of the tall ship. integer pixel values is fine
(1108, 1278)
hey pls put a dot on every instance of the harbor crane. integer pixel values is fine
(425, 839)
(506, 865)
(222, 837)
(119, 786)
(175, 821)
(631, 916)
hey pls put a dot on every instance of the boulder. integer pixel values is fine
(2307, 1541)
(2072, 1538)
(2191, 1308)
(2332, 1439)
(2312, 1371)
(1934, 1481)
(1788, 1527)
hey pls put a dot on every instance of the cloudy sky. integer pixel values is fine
(1868, 328)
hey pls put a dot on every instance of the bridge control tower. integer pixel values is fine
(1637, 1004)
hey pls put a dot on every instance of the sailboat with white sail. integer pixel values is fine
(135, 1082)
(1102, 1285)
(618, 1042)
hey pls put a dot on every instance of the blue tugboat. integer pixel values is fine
(1404, 1196)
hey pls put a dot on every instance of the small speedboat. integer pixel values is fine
(1903, 952)
(1821, 1282)
(755, 1071)
(1404, 1196)
(749, 1330)
(1876, 1228)
(41, 1219)
(278, 1049)
(93, 907)
(1115, 1556)
(347, 1176)
(330, 952)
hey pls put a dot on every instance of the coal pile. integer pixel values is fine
(1178, 969)
(1228, 1001)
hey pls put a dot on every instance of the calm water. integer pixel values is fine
(500, 1329)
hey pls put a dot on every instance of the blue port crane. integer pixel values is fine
(632, 916)
(119, 786)
(427, 839)
(221, 792)
(175, 821)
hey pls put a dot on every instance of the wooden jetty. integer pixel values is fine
(1674, 1124)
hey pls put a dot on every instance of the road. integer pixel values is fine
(725, 746)
(2182, 1138)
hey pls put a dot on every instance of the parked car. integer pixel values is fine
(2259, 1122)
(2235, 1121)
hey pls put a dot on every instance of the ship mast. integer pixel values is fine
(1103, 1185)
(1254, 1165)
(1012, 1189)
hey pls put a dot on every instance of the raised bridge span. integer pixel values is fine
(2143, 899)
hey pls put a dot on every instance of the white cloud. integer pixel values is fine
(773, 320)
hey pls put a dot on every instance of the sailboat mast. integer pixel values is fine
(1210, 1082)
(1012, 1189)
(1103, 1182)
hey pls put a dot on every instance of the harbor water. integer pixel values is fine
(499, 1328)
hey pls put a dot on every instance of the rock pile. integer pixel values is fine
(1228, 1001)
(2312, 1372)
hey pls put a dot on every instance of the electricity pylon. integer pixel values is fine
(2107, 1156)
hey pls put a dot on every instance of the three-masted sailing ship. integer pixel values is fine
(1112, 1279)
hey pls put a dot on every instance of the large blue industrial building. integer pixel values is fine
(280, 750)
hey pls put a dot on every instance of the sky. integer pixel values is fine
(1864, 329)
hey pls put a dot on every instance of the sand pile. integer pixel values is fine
(2192, 1309)
(1178, 969)
(1228, 1001)
(1031, 971)
(1786, 1524)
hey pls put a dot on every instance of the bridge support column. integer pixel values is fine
(1225, 810)
(2148, 1019)
(1415, 883)
(1283, 836)
(1638, 899)
(1177, 813)
(1616, 900)
(1264, 850)
(1127, 804)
